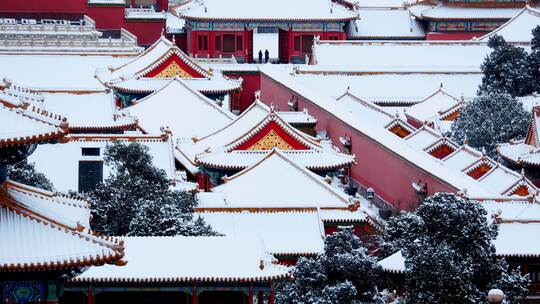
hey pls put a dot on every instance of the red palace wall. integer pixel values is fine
(44, 6)
(251, 83)
(386, 172)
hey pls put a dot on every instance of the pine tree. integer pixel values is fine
(26, 173)
(136, 200)
(343, 274)
(450, 257)
(506, 70)
(534, 58)
(490, 119)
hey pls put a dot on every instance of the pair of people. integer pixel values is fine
(266, 56)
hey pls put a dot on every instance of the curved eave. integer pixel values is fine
(194, 18)
(34, 139)
(136, 280)
(143, 90)
(121, 127)
(229, 166)
(72, 263)
(465, 18)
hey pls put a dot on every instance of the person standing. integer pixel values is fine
(266, 56)
(260, 56)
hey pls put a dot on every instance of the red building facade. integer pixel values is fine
(215, 38)
(147, 23)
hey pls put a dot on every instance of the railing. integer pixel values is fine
(127, 41)
(45, 25)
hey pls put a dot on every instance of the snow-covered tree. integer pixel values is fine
(449, 253)
(506, 70)
(534, 58)
(398, 230)
(490, 119)
(26, 173)
(136, 200)
(343, 274)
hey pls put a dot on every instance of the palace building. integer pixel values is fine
(246, 140)
(187, 270)
(219, 29)
(242, 207)
(156, 66)
(429, 161)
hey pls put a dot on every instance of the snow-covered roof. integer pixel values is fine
(153, 57)
(426, 56)
(385, 23)
(213, 85)
(282, 233)
(49, 159)
(406, 87)
(520, 153)
(174, 24)
(57, 72)
(449, 12)
(41, 231)
(280, 10)
(88, 111)
(189, 259)
(514, 239)
(362, 108)
(525, 152)
(434, 107)
(394, 263)
(519, 28)
(255, 187)
(184, 110)
(377, 3)
(29, 124)
(224, 147)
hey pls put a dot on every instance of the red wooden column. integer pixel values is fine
(271, 296)
(250, 300)
(260, 297)
(90, 296)
(195, 297)
(291, 44)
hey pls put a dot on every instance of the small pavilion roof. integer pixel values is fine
(525, 152)
(27, 124)
(254, 187)
(189, 259)
(41, 230)
(184, 110)
(244, 141)
(394, 263)
(434, 107)
(519, 28)
(280, 10)
(152, 58)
